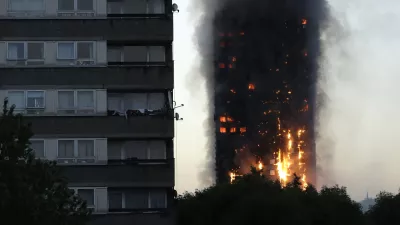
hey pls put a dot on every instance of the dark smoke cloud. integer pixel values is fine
(263, 21)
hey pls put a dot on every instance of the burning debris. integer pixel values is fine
(266, 61)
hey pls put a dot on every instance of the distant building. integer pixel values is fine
(367, 203)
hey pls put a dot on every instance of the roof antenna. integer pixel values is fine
(175, 7)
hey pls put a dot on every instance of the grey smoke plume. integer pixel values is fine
(202, 15)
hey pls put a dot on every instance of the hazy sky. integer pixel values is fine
(191, 148)
(360, 123)
(362, 115)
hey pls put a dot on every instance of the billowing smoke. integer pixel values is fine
(274, 45)
(359, 124)
(202, 15)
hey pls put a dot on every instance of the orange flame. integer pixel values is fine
(222, 130)
(286, 164)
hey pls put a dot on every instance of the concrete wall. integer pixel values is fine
(121, 176)
(102, 126)
(114, 78)
(112, 29)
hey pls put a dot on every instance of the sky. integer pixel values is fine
(358, 143)
(190, 148)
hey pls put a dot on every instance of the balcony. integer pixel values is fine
(102, 126)
(128, 77)
(112, 29)
(128, 175)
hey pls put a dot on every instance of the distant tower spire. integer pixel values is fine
(367, 195)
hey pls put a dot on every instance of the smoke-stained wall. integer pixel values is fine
(265, 69)
(260, 63)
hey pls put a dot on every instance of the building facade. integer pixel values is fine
(96, 79)
(265, 69)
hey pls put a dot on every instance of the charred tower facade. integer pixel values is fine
(265, 86)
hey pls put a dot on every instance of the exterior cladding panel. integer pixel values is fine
(111, 29)
(265, 53)
(138, 78)
(102, 127)
(124, 175)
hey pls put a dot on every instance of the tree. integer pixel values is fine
(336, 207)
(386, 210)
(253, 199)
(32, 191)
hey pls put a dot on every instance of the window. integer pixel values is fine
(17, 98)
(76, 151)
(38, 148)
(145, 149)
(116, 200)
(136, 199)
(85, 149)
(88, 196)
(66, 50)
(157, 150)
(137, 54)
(136, 101)
(115, 7)
(83, 52)
(114, 150)
(76, 102)
(25, 5)
(75, 5)
(158, 199)
(27, 101)
(25, 51)
(136, 7)
(155, 6)
(115, 54)
(35, 99)
(16, 51)
(156, 54)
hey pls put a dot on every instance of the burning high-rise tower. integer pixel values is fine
(265, 78)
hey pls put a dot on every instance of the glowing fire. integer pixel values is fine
(303, 21)
(260, 165)
(286, 164)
